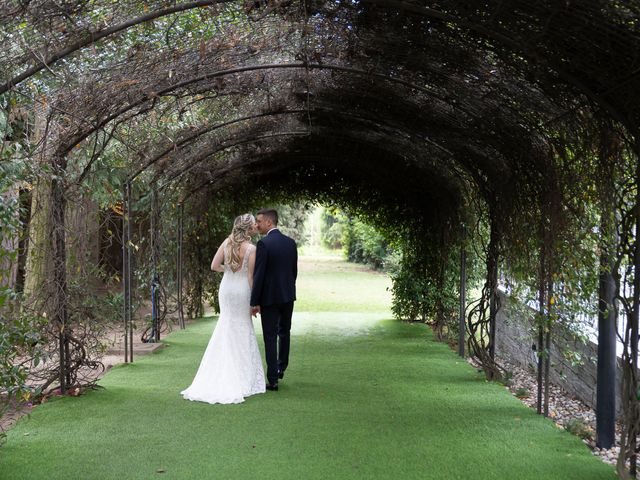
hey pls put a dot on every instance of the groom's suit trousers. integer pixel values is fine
(276, 330)
(274, 290)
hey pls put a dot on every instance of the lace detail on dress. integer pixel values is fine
(245, 259)
(231, 367)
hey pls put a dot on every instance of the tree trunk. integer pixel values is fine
(38, 265)
(9, 258)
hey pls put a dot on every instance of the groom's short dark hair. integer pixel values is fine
(270, 213)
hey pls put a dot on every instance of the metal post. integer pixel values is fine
(129, 255)
(607, 308)
(125, 275)
(540, 346)
(153, 226)
(547, 347)
(606, 380)
(493, 298)
(155, 327)
(179, 267)
(635, 318)
(463, 296)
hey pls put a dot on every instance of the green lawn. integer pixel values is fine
(364, 398)
(329, 284)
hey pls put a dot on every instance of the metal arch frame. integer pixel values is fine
(203, 131)
(200, 132)
(348, 114)
(202, 157)
(127, 251)
(154, 335)
(508, 42)
(211, 181)
(221, 148)
(463, 255)
(179, 257)
(276, 66)
(73, 141)
(239, 166)
(463, 259)
(94, 36)
(462, 324)
(389, 4)
(126, 242)
(298, 65)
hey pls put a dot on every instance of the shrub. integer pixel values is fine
(577, 426)
(522, 392)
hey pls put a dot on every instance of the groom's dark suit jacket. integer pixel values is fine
(275, 271)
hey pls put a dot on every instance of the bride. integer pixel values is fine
(231, 367)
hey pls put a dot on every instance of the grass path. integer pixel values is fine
(364, 398)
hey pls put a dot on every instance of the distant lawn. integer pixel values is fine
(365, 397)
(328, 283)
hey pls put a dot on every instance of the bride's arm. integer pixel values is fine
(218, 258)
(251, 265)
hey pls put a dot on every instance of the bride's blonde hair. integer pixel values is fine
(239, 234)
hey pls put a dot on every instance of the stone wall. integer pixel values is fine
(574, 372)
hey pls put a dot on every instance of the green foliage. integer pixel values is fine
(19, 351)
(360, 241)
(578, 427)
(411, 291)
(92, 316)
(419, 294)
(363, 243)
(19, 332)
(292, 220)
(332, 223)
(425, 281)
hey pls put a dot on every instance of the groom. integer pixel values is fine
(274, 291)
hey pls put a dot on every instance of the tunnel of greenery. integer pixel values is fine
(504, 131)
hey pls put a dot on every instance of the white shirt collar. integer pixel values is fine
(274, 228)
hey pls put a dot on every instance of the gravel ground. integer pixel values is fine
(563, 408)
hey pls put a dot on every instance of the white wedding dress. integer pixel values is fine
(231, 367)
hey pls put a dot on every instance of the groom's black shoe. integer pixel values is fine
(272, 386)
